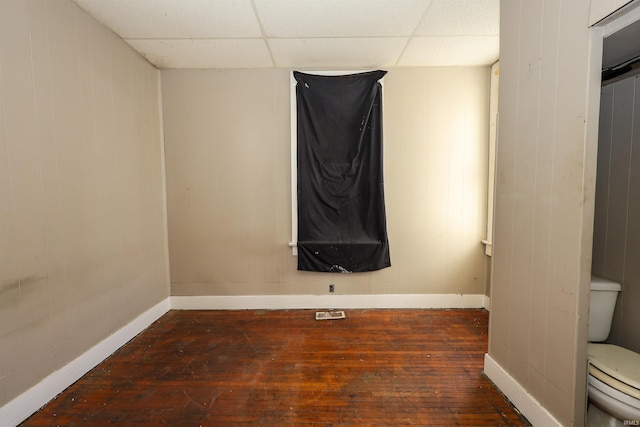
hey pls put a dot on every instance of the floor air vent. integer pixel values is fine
(328, 315)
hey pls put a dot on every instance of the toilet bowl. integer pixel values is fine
(614, 381)
(614, 372)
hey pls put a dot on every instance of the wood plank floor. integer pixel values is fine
(248, 367)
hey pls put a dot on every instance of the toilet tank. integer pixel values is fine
(604, 294)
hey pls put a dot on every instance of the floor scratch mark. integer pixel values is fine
(250, 343)
(191, 400)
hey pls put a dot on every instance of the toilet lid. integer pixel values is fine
(612, 382)
(619, 363)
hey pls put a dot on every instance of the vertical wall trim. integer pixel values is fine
(493, 137)
(590, 155)
(294, 165)
(163, 172)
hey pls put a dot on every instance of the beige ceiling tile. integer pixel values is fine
(347, 53)
(214, 53)
(321, 34)
(335, 18)
(167, 19)
(461, 17)
(450, 51)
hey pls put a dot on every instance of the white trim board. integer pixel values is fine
(23, 406)
(26, 404)
(518, 395)
(163, 172)
(282, 302)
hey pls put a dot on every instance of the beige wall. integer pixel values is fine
(82, 248)
(544, 201)
(616, 240)
(228, 179)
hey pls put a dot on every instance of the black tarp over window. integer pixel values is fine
(341, 214)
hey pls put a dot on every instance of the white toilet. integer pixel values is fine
(614, 372)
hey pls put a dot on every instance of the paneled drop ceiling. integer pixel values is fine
(311, 34)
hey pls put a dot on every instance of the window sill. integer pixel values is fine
(488, 247)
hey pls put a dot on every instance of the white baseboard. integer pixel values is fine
(23, 406)
(487, 303)
(526, 403)
(281, 302)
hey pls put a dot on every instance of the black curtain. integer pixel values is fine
(341, 215)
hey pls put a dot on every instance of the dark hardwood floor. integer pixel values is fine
(216, 368)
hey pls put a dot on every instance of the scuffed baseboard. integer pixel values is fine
(23, 406)
(518, 395)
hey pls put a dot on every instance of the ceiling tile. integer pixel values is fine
(461, 17)
(346, 53)
(312, 34)
(212, 53)
(450, 51)
(336, 18)
(167, 19)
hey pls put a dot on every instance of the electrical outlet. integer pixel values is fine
(332, 288)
